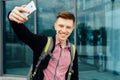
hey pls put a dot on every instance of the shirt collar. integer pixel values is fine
(58, 42)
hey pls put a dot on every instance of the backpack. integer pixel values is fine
(47, 51)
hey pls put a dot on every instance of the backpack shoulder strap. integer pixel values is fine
(73, 51)
(49, 45)
(48, 48)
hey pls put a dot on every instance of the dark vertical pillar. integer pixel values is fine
(1, 39)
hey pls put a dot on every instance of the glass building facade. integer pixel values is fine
(96, 36)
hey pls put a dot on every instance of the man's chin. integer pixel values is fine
(62, 39)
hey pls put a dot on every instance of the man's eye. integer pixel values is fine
(68, 27)
(61, 26)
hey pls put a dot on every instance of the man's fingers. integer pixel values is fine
(16, 20)
(21, 9)
(20, 15)
(17, 15)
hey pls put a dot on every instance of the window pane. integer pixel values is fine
(98, 39)
(18, 56)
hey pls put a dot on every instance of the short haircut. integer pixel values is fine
(66, 15)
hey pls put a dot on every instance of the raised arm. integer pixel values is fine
(17, 19)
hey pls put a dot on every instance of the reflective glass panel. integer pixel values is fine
(98, 39)
(18, 56)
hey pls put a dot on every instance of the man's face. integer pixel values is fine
(64, 28)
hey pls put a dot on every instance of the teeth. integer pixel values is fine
(63, 34)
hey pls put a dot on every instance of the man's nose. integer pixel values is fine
(64, 29)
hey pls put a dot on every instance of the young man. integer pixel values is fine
(48, 69)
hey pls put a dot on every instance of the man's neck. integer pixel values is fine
(63, 44)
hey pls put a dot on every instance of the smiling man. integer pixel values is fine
(48, 69)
